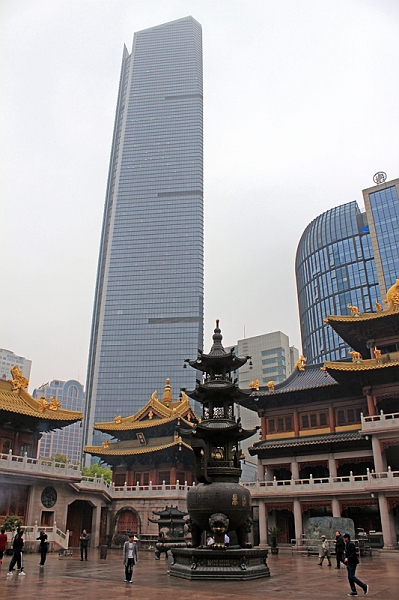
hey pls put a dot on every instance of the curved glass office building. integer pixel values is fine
(334, 268)
(148, 305)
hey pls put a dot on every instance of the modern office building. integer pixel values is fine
(8, 360)
(68, 441)
(272, 358)
(148, 306)
(382, 209)
(346, 257)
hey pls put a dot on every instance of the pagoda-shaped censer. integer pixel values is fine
(218, 504)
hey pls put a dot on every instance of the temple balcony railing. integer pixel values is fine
(11, 463)
(368, 483)
(380, 423)
(136, 491)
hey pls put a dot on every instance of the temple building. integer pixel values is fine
(23, 419)
(149, 446)
(330, 433)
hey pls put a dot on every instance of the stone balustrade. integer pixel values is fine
(31, 533)
(39, 466)
(371, 482)
(380, 422)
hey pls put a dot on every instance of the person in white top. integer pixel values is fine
(130, 556)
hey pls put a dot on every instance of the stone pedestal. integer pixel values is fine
(235, 563)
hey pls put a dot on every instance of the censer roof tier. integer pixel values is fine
(218, 361)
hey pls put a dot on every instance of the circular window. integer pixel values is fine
(49, 497)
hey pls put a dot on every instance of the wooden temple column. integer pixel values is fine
(173, 476)
(371, 409)
(262, 524)
(261, 472)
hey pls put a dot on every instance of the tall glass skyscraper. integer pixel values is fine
(148, 306)
(346, 257)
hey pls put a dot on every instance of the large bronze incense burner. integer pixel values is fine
(218, 504)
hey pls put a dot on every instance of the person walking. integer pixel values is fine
(130, 557)
(351, 560)
(324, 551)
(339, 548)
(3, 544)
(43, 547)
(84, 542)
(17, 545)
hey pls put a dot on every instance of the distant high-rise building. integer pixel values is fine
(346, 257)
(148, 306)
(272, 358)
(8, 360)
(68, 440)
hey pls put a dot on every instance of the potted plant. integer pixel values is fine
(273, 532)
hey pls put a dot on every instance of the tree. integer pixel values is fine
(97, 470)
(12, 522)
(60, 458)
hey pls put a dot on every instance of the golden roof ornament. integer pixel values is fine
(54, 404)
(105, 444)
(154, 395)
(43, 405)
(270, 385)
(18, 381)
(254, 384)
(356, 357)
(377, 354)
(378, 307)
(118, 419)
(392, 298)
(301, 363)
(167, 394)
(354, 310)
(150, 414)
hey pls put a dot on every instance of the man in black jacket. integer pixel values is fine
(351, 560)
(339, 548)
(17, 545)
(84, 542)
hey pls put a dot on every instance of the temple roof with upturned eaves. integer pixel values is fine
(42, 415)
(359, 329)
(135, 447)
(329, 439)
(154, 414)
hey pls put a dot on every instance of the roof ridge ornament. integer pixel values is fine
(392, 297)
(167, 394)
(18, 381)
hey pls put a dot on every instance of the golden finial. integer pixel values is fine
(167, 394)
(254, 384)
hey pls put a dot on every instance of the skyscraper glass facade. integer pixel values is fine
(148, 307)
(67, 440)
(334, 268)
(382, 207)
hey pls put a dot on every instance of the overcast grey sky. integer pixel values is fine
(301, 109)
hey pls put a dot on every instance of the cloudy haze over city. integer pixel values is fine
(300, 110)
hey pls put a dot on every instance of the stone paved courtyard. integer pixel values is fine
(291, 577)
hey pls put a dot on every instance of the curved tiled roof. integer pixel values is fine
(116, 449)
(22, 403)
(364, 365)
(311, 377)
(311, 440)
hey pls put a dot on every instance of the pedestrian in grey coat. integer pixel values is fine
(130, 556)
(324, 551)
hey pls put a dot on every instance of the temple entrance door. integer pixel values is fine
(127, 522)
(285, 522)
(80, 515)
